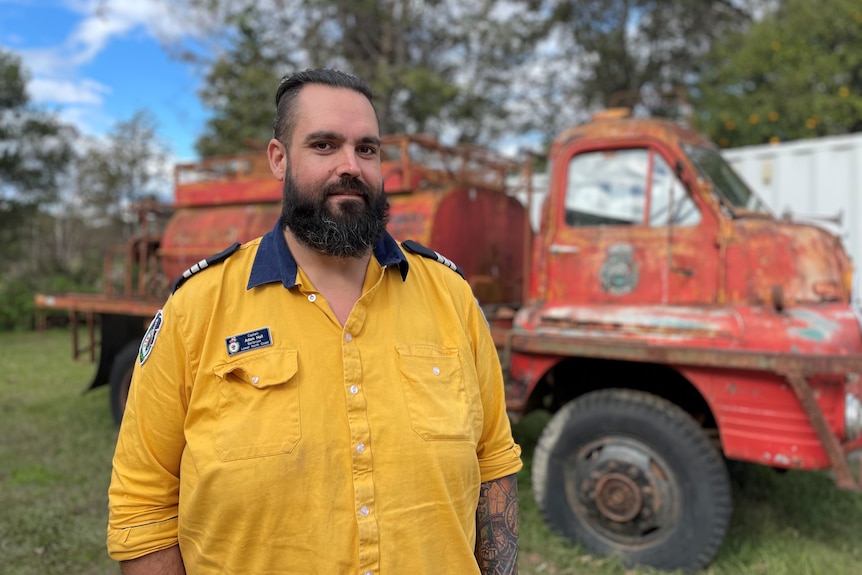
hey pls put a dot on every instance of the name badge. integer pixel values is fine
(248, 341)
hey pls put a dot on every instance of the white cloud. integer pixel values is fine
(106, 19)
(54, 69)
(58, 91)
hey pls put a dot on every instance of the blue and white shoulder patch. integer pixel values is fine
(150, 336)
(419, 249)
(203, 264)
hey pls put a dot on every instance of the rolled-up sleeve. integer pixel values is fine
(497, 451)
(143, 496)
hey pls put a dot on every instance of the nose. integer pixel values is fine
(348, 164)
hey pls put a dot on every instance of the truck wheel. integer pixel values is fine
(629, 474)
(120, 378)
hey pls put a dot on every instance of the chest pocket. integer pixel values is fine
(434, 392)
(258, 409)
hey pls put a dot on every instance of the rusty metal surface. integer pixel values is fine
(561, 345)
(840, 467)
(628, 128)
(731, 379)
(411, 162)
(804, 263)
(456, 201)
(99, 303)
(195, 233)
(240, 179)
(830, 329)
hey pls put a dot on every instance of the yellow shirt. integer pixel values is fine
(266, 438)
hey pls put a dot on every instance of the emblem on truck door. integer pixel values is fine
(619, 273)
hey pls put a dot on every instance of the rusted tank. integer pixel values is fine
(218, 202)
(458, 200)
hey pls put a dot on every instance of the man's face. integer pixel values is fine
(333, 193)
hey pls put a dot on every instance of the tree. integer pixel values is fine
(126, 167)
(796, 74)
(35, 152)
(441, 66)
(635, 51)
(239, 88)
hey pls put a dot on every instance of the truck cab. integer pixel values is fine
(646, 212)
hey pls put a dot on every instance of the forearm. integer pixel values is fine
(165, 562)
(497, 527)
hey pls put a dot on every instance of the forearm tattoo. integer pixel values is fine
(497, 527)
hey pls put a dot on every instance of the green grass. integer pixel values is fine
(55, 458)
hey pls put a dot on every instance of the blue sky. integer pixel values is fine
(96, 62)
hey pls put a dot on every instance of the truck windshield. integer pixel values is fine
(726, 184)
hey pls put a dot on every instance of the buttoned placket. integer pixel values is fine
(360, 435)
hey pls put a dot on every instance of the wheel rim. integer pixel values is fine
(623, 491)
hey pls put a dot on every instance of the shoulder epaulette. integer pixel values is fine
(419, 249)
(203, 264)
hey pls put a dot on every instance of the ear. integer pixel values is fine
(277, 155)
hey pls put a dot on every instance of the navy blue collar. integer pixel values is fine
(274, 262)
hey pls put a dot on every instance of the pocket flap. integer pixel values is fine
(261, 370)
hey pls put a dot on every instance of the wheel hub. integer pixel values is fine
(618, 497)
(622, 490)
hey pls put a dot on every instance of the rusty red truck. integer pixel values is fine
(656, 310)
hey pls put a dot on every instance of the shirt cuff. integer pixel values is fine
(134, 542)
(501, 464)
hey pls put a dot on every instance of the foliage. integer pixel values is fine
(17, 310)
(34, 146)
(644, 51)
(63, 254)
(35, 150)
(238, 88)
(120, 170)
(64, 199)
(796, 74)
(483, 72)
(442, 66)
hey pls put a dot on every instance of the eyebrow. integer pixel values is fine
(328, 135)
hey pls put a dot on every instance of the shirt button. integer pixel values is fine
(368, 573)
(255, 380)
(312, 297)
(348, 337)
(354, 390)
(436, 371)
(364, 511)
(360, 448)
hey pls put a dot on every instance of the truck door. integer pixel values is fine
(627, 232)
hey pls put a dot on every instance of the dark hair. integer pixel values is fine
(290, 86)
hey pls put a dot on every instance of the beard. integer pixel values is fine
(348, 231)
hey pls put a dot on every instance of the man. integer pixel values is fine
(318, 400)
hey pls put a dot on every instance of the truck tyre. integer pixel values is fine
(120, 378)
(629, 474)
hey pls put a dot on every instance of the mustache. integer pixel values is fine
(350, 185)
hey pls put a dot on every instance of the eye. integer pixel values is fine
(323, 146)
(367, 150)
